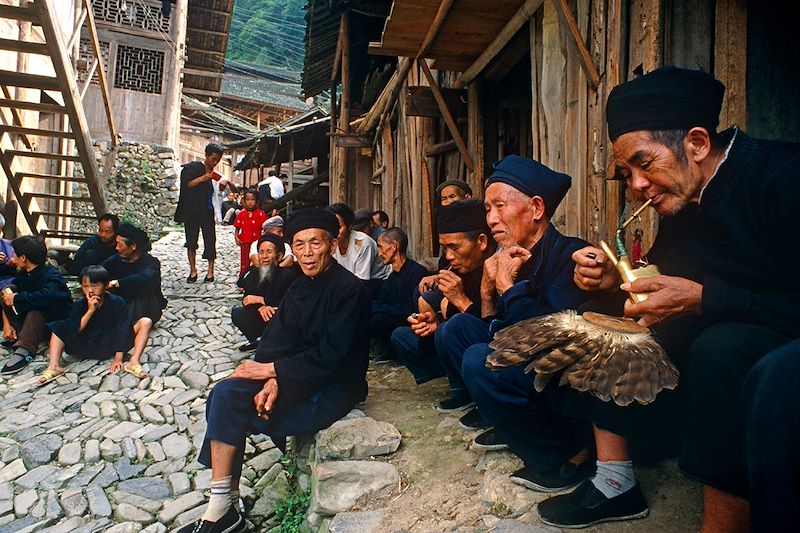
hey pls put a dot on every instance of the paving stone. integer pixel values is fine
(264, 461)
(154, 528)
(110, 450)
(91, 410)
(24, 501)
(125, 527)
(195, 380)
(158, 433)
(70, 453)
(176, 446)
(148, 487)
(357, 522)
(39, 450)
(126, 512)
(74, 502)
(155, 451)
(126, 470)
(34, 477)
(107, 476)
(54, 510)
(98, 501)
(151, 414)
(13, 470)
(151, 506)
(128, 448)
(91, 451)
(180, 505)
(180, 483)
(122, 430)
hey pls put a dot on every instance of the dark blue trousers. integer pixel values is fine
(231, 415)
(457, 334)
(771, 398)
(249, 321)
(419, 354)
(528, 421)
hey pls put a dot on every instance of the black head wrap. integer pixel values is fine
(361, 218)
(458, 183)
(311, 218)
(461, 217)
(274, 239)
(131, 232)
(666, 99)
(533, 179)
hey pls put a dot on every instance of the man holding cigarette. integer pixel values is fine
(309, 370)
(196, 209)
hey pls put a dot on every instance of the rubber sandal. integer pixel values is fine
(48, 376)
(136, 370)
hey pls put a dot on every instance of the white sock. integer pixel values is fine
(220, 500)
(614, 477)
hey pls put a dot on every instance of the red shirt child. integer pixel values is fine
(248, 228)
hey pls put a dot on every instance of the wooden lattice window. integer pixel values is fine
(86, 53)
(139, 69)
(139, 14)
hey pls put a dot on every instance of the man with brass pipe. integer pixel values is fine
(732, 195)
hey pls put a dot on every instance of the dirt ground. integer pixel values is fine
(446, 486)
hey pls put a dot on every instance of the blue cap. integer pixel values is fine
(532, 178)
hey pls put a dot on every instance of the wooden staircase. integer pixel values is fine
(48, 213)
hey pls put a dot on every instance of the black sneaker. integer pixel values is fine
(556, 479)
(586, 506)
(488, 441)
(8, 370)
(473, 420)
(248, 346)
(231, 522)
(452, 405)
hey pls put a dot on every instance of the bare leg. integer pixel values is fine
(141, 330)
(210, 268)
(223, 459)
(54, 353)
(610, 446)
(8, 330)
(724, 512)
(192, 254)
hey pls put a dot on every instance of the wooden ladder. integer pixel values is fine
(74, 143)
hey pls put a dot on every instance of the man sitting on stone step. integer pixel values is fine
(98, 247)
(309, 370)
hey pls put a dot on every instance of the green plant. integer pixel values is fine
(291, 511)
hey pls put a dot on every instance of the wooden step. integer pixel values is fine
(42, 155)
(63, 215)
(33, 106)
(28, 14)
(76, 179)
(59, 234)
(32, 81)
(26, 47)
(51, 196)
(19, 130)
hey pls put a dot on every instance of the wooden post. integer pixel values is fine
(339, 191)
(585, 58)
(101, 73)
(613, 194)
(730, 60)
(448, 117)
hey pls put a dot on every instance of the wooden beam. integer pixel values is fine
(20, 130)
(436, 25)
(441, 148)
(203, 73)
(14, 105)
(448, 118)
(201, 92)
(421, 102)
(19, 13)
(31, 81)
(76, 31)
(25, 47)
(337, 55)
(101, 74)
(350, 141)
(88, 80)
(584, 56)
(509, 30)
(25, 104)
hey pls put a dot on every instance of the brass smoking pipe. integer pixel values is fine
(623, 263)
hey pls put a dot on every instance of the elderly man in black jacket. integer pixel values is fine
(37, 295)
(309, 369)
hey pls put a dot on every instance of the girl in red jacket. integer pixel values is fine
(248, 228)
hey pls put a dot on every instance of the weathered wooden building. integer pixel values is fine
(474, 81)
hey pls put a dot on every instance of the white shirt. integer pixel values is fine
(275, 186)
(362, 258)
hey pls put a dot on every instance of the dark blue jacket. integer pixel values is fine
(396, 297)
(139, 279)
(93, 251)
(547, 287)
(42, 289)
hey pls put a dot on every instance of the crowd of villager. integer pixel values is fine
(523, 322)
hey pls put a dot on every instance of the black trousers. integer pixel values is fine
(249, 321)
(192, 230)
(381, 327)
(31, 329)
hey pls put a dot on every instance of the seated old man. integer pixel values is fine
(356, 251)
(309, 369)
(136, 277)
(395, 299)
(530, 276)
(264, 287)
(37, 295)
(467, 243)
(98, 247)
(273, 226)
(733, 189)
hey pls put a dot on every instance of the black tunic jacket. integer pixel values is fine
(42, 289)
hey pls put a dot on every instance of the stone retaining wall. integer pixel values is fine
(142, 188)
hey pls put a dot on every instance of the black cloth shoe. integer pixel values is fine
(7, 344)
(7, 369)
(191, 279)
(556, 479)
(452, 405)
(208, 279)
(488, 441)
(586, 506)
(473, 420)
(248, 346)
(231, 522)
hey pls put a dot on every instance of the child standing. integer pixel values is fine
(248, 228)
(98, 326)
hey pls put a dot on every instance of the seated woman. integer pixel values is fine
(98, 327)
(136, 277)
(264, 287)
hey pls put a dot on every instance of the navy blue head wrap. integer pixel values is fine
(274, 239)
(311, 218)
(532, 178)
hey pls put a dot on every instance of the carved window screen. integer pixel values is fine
(139, 69)
(131, 13)
(87, 53)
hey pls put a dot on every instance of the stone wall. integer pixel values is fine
(141, 189)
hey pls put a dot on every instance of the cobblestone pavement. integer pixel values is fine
(98, 452)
